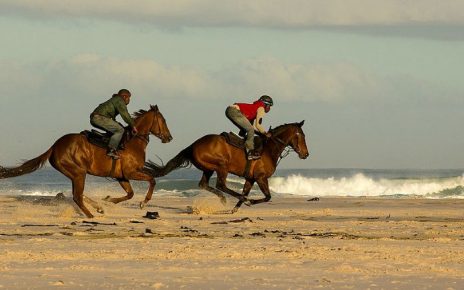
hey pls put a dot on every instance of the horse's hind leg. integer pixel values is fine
(221, 185)
(125, 184)
(204, 184)
(94, 204)
(78, 182)
(204, 181)
(78, 193)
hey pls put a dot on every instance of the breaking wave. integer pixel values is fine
(362, 185)
(448, 183)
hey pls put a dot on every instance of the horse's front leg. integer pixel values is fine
(125, 184)
(264, 186)
(246, 190)
(139, 175)
(151, 188)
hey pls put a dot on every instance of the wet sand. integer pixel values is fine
(290, 243)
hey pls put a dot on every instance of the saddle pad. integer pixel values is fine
(234, 140)
(97, 138)
(237, 141)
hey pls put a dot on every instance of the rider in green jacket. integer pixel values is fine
(103, 117)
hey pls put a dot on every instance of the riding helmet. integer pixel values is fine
(267, 100)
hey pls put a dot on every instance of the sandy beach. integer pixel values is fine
(290, 243)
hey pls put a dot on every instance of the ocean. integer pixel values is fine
(443, 183)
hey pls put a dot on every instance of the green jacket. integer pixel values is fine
(112, 108)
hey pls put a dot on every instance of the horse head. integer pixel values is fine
(292, 135)
(159, 127)
(153, 122)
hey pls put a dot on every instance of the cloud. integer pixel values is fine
(336, 83)
(300, 82)
(90, 70)
(283, 14)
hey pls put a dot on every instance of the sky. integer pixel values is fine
(378, 82)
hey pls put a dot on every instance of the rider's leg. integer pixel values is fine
(111, 126)
(239, 120)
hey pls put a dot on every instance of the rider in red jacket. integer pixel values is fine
(249, 117)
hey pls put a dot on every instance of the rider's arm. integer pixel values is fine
(122, 109)
(259, 120)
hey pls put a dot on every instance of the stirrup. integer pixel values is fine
(113, 154)
(252, 155)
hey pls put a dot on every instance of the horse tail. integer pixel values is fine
(181, 160)
(27, 167)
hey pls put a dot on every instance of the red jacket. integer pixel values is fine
(250, 110)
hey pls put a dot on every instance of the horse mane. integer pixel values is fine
(279, 128)
(142, 112)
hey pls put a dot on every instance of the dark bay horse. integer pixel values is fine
(75, 157)
(211, 153)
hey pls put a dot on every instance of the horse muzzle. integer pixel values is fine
(166, 139)
(303, 155)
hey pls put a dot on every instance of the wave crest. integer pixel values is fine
(361, 185)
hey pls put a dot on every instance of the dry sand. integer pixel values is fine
(290, 243)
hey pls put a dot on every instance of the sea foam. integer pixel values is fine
(361, 185)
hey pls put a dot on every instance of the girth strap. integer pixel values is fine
(113, 166)
(247, 168)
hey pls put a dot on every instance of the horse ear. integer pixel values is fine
(301, 123)
(155, 108)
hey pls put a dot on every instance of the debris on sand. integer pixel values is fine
(245, 219)
(241, 220)
(152, 215)
(98, 223)
(313, 199)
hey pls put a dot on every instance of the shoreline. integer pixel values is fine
(290, 243)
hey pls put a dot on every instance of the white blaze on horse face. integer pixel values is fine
(301, 147)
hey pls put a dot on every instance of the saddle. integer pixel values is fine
(101, 139)
(239, 142)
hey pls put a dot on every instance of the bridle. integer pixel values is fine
(287, 150)
(160, 134)
(146, 137)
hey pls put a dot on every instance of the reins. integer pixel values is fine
(286, 151)
(284, 154)
(145, 137)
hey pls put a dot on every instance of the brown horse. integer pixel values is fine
(75, 157)
(211, 153)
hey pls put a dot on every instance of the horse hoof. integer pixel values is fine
(107, 198)
(100, 210)
(142, 204)
(234, 210)
(247, 203)
(223, 200)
